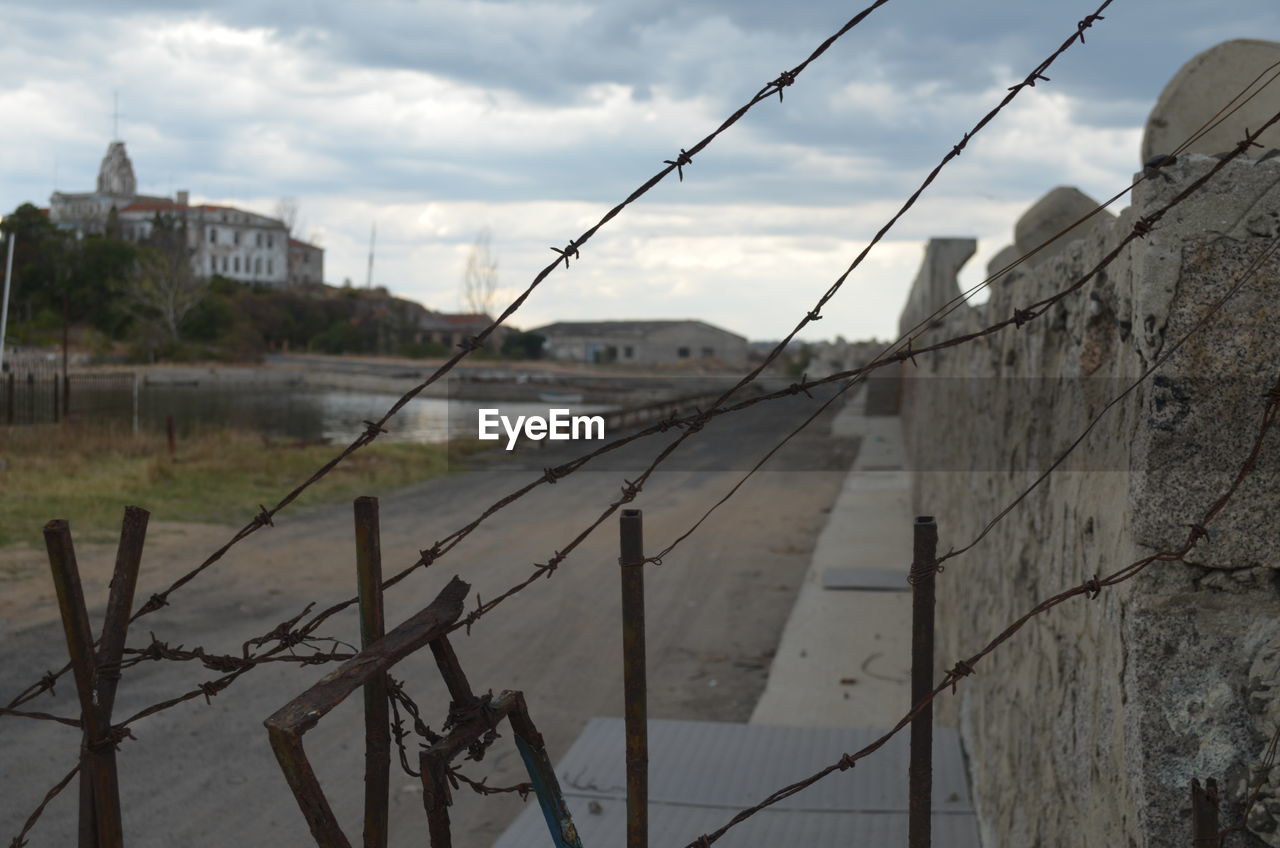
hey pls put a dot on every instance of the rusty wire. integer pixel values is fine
(1263, 256)
(1091, 589)
(689, 425)
(374, 428)
(21, 839)
(905, 352)
(287, 637)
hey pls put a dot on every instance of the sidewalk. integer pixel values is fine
(845, 655)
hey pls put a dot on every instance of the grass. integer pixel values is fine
(88, 474)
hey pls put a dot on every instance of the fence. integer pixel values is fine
(28, 398)
(99, 803)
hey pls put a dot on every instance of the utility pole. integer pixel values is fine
(4, 311)
(373, 235)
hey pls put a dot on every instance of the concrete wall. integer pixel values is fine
(1086, 728)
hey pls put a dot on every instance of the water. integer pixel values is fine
(310, 414)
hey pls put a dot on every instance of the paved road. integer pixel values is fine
(203, 775)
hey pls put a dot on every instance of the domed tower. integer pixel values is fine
(115, 177)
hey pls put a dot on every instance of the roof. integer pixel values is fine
(635, 329)
(294, 242)
(454, 320)
(166, 204)
(701, 773)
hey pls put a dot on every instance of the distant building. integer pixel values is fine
(306, 263)
(233, 243)
(452, 329)
(643, 342)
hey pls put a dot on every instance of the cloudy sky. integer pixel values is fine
(437, 119)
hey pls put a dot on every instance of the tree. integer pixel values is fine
(287, 212)
(480, 279)
(162, 283)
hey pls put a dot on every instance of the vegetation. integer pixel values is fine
(88, 474)
(140, 301)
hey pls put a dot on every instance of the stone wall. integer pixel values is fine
(1087, 727)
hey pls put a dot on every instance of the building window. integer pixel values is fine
(257, 239)
(628, 352)
(236, 263)
(270, 272)
(682, 352)
(213, 265)
(235, 237)
(257, 265)
(270, 240)
(213, 236)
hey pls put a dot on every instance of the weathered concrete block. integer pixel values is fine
(935, 284)
(1052, 214)
(1203, 86)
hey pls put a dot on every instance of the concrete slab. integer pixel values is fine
(701, 773)
(844, 657)
(865, 580)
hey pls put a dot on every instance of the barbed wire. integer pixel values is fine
(1021, 317)
(1269, 251)
(693, 423)
(374, 428)
(1091, 589)
(631, 488)
(689, 425)
(287, 637)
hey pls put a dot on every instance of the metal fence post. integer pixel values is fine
(631, 528)
(99, 805)
(377, 733)
(920, 769)
(1204, 813)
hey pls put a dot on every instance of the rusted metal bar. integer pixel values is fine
(99, 806)
(287, 725)
(634, 683)
(437, 800)
(1204, 814)
(542, 775)
(115, 624)
(455, 679)
(434, 765)
(377, 725)
(920, 770)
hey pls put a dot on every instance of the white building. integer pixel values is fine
(644, 343)
(233, 243)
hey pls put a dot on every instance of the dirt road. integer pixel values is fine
(202, 774)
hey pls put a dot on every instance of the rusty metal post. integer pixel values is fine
(100, 807)
(377, 728)
(631, 529)
(1204, 814)
(920, 769)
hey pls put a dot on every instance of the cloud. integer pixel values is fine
(535, 117)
